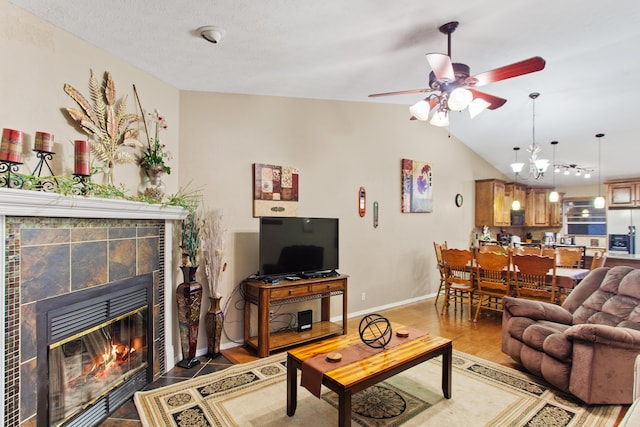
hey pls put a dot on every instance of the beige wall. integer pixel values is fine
(338, 147)
(215, 138)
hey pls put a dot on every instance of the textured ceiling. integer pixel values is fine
(345, 50)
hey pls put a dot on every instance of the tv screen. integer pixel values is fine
(293, 246)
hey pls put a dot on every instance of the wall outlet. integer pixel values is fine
(364, 296)
(270, 314)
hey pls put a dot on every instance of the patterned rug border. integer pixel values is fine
(537, 403)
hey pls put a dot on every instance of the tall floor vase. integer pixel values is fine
(189, 296)
(214, 320)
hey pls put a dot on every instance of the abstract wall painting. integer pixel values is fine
(417, 189)
(275, 190)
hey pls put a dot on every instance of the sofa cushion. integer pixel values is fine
(535, 334)
(615, 301)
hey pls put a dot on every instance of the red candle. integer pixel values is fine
(11, 146)
(81, 157)
(44, 142)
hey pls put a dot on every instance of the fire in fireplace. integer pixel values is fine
(97, 352)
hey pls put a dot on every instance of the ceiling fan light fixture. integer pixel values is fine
(515, 205)
(440, 118)
(554, 196)
(420, 110)
(477, 106)
(459, 99)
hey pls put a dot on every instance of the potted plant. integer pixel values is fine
(189, 292)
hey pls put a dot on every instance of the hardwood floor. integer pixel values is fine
(481, 338)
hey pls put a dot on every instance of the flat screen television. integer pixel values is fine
(298, 246)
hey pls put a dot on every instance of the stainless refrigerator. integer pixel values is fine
(621, 227)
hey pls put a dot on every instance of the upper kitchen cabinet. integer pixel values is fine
(490, 203)
(623, 194)
(555, 213)
(537, 212)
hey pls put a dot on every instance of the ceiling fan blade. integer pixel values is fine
(441, 66)
(494, 101)
(516, 69)
(401, 92)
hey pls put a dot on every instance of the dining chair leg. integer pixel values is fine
(470, 296)
(475, 318)
(447, 291)
(439, 292)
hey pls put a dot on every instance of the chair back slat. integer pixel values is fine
(535, 277)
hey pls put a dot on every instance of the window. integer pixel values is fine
(580, 217)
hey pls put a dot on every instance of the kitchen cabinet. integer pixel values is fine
(537, 212)
(555, 212)
(490, 204)
(623, 194)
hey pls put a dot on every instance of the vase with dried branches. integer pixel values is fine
(108, 124)
(213, 255)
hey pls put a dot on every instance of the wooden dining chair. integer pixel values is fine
(548, 252)
(527, 250)
(493, 248)
(493, 279)
(568, 258)
(441, 268)
(459, 281)
(534, 277)
(598, 259)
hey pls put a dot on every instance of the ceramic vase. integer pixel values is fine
(189, 297)
(214, 321)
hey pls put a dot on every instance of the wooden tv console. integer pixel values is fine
(266, 295)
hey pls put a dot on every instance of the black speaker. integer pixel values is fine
(304, 320)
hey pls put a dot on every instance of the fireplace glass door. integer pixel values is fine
(86, 366)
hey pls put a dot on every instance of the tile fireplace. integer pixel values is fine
(86, 303)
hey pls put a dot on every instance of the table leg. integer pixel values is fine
(446, 371)
(344, 408)
(292, 386)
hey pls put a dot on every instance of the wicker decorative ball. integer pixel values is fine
(375, 330)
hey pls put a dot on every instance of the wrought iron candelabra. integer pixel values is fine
(9, 174)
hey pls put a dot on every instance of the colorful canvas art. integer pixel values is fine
(417, 194)
(275, 190)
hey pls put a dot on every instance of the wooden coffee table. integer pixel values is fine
(349, 379)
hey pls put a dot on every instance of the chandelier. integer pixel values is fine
(537, 167)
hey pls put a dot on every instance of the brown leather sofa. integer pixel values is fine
(587, 346)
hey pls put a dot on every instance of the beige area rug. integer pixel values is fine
(483, 394)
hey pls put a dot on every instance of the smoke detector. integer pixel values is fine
(211, 33)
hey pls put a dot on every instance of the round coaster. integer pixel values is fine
(402, 333)
(334, 357)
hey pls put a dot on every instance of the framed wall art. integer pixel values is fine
(275, 190)
(417, 188)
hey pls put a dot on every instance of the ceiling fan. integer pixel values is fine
(451, 88)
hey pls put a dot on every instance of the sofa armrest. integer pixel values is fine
(536, 310)
(605, 334)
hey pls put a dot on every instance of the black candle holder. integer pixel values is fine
(80, 184)
(48, 184)
(9, 174)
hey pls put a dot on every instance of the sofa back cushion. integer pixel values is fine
(615, 302)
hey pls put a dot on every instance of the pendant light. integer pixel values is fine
(517, 167)
(599, 201)
(553, 195)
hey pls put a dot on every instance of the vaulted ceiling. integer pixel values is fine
(346, 50)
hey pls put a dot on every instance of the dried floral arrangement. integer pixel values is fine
(213, 249)
(106, 122)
